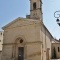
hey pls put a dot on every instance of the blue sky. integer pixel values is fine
(11, 9)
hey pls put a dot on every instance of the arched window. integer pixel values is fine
(34, 5)
(58, 49)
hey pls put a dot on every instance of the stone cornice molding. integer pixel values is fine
(26, 43)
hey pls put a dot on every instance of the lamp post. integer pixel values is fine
(57, 16)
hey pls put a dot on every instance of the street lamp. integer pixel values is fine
(57, 15)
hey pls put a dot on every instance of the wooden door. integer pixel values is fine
(20, 53)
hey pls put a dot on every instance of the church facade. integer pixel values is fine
(27, 38)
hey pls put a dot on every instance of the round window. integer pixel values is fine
(21, 41)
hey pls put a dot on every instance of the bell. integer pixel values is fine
(59, 24)
(57, 20)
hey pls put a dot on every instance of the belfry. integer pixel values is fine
(36, 9)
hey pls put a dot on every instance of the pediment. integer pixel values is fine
(20, 22)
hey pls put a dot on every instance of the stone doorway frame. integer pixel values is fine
(15, 48)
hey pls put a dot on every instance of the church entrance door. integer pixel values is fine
(20, 53)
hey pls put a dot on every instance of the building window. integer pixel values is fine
(58, 49)
(1, 33)
(0, 40)
(34, 5)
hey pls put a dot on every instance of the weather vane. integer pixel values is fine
(57, 16)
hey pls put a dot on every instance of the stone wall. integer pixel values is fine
(0, 55)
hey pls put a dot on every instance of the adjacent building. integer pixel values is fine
(55, 49)
(1, 42)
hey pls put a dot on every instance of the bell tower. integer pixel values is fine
(36, 9)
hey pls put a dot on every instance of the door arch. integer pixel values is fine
(18, 45)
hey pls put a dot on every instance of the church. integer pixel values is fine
(27, 38)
